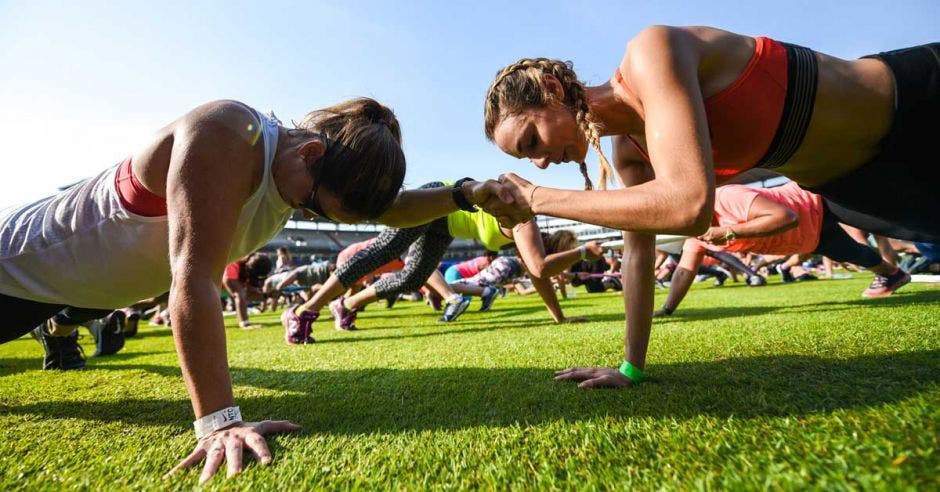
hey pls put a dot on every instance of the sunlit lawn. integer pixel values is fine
(783, 386)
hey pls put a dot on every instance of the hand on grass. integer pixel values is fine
(229, 444)
(594, 377)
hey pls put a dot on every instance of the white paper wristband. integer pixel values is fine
(217, 420)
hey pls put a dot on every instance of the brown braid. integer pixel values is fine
(519, 86)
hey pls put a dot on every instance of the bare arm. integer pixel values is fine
(211, 173)
(637, 278)
(416, 207)
(289, 279)
(543, 285)
(661, 66)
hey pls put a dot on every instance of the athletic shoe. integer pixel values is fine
(61, 352)
(806, 276)
(885, 286)
(786, 276)
(720, 278)
(343, 319)
(132, 322)
(488, 296)
(297, 329)
(756, 281)
(390, 302)
(455, 308)
(108, 333)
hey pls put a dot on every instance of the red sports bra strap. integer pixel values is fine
(135, 198)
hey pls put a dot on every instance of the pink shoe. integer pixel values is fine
(297, 328)
(344, 319)
(885, 286)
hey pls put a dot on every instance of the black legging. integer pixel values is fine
(428, 244)
(20, 316)
(835, 243)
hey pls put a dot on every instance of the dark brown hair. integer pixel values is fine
(364, 165)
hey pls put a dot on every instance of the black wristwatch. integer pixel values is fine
(461, 200)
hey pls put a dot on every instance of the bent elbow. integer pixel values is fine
(696, 217)
(793, 219)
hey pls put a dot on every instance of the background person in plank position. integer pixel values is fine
(244, 279)
(430, 243)
(210, 187)
(778, 220)
(691, 105)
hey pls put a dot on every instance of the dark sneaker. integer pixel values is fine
(806, 276)
(343, 319)
(108, 333)
(455, 308)
(720, 278)
(756, 281)
(488, 296)
(390, 302)
(786, 276)
(298, 328)
(885, 286)
(61, 352)
(131, 323)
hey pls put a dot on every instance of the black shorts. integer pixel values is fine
(897, 194)
(20, 316)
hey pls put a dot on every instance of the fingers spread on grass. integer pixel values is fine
(274, 426)
(233, 455)
(258, 447)
(605, 381)
(195, 457)
(214, 458)
(576, 374)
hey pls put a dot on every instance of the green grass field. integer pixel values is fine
(782, 387)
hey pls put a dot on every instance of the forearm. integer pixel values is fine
(555, 263)
(762, 227)
(544, 287)
(199, 335)
(649, 207)
(416, 207)
(681, 282)
(638, 294)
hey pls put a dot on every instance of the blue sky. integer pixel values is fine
(83, 84)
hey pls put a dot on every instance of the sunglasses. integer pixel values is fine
(312, 203)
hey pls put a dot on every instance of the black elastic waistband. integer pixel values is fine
(802, 75)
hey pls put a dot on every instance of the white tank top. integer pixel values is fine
(82, 248)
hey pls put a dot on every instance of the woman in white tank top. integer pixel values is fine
(214, 185)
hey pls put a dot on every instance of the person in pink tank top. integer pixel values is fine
(784, 220)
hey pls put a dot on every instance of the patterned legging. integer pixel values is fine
(501, 270)
(428, 244)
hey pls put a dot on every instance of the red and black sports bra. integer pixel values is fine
(744, 117)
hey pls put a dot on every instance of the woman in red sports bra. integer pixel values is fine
(689, 106)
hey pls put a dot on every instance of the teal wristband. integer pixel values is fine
(632, 372)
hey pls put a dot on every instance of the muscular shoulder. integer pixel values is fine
(222, 118)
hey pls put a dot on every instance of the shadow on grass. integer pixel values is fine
(365, 401)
